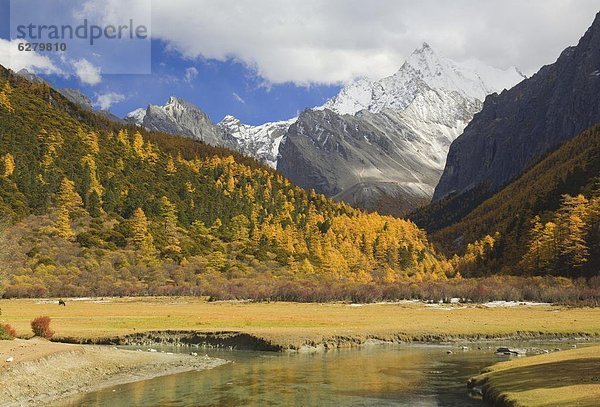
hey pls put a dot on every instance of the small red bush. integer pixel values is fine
(10, 330)
(7, 332)
(41, 327)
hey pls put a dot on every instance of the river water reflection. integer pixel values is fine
(382, 375)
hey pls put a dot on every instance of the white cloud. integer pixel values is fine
(238, 98)
(317, 41)
(11, 57)
(87, 72)
(190, 74)
(167, 79)
(106, 100)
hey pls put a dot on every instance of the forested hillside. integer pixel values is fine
(89, 208)
(546, 221)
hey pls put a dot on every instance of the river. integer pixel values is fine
(377, 375)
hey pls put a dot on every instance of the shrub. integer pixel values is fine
(7, 332)
(41, 327)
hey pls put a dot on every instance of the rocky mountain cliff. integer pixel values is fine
(261, 142)
(180, 117)
(382, 145)
(520, 125)
(177, 116)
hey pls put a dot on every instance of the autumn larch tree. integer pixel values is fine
(141, 239)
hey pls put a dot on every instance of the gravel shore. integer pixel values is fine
(41, 371)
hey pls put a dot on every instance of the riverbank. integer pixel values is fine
(295, 326)
(232, 340)
(41, 371)
(569, 378)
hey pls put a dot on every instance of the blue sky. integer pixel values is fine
(266, 60)
(218, 88)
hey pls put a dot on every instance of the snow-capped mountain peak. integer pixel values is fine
(387, 140)
(230, 121)
(439, 73)
(426, 61)
(178, 116)
(352, 98)
(423, 69)
(137, 116)
(172, 107)
(261, 142)
(473, 79)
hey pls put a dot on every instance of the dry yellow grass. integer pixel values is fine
(563, 379)
(291, 323)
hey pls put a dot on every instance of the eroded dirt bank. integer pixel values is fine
(249, 341)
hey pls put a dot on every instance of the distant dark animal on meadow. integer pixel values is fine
(61, 302)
